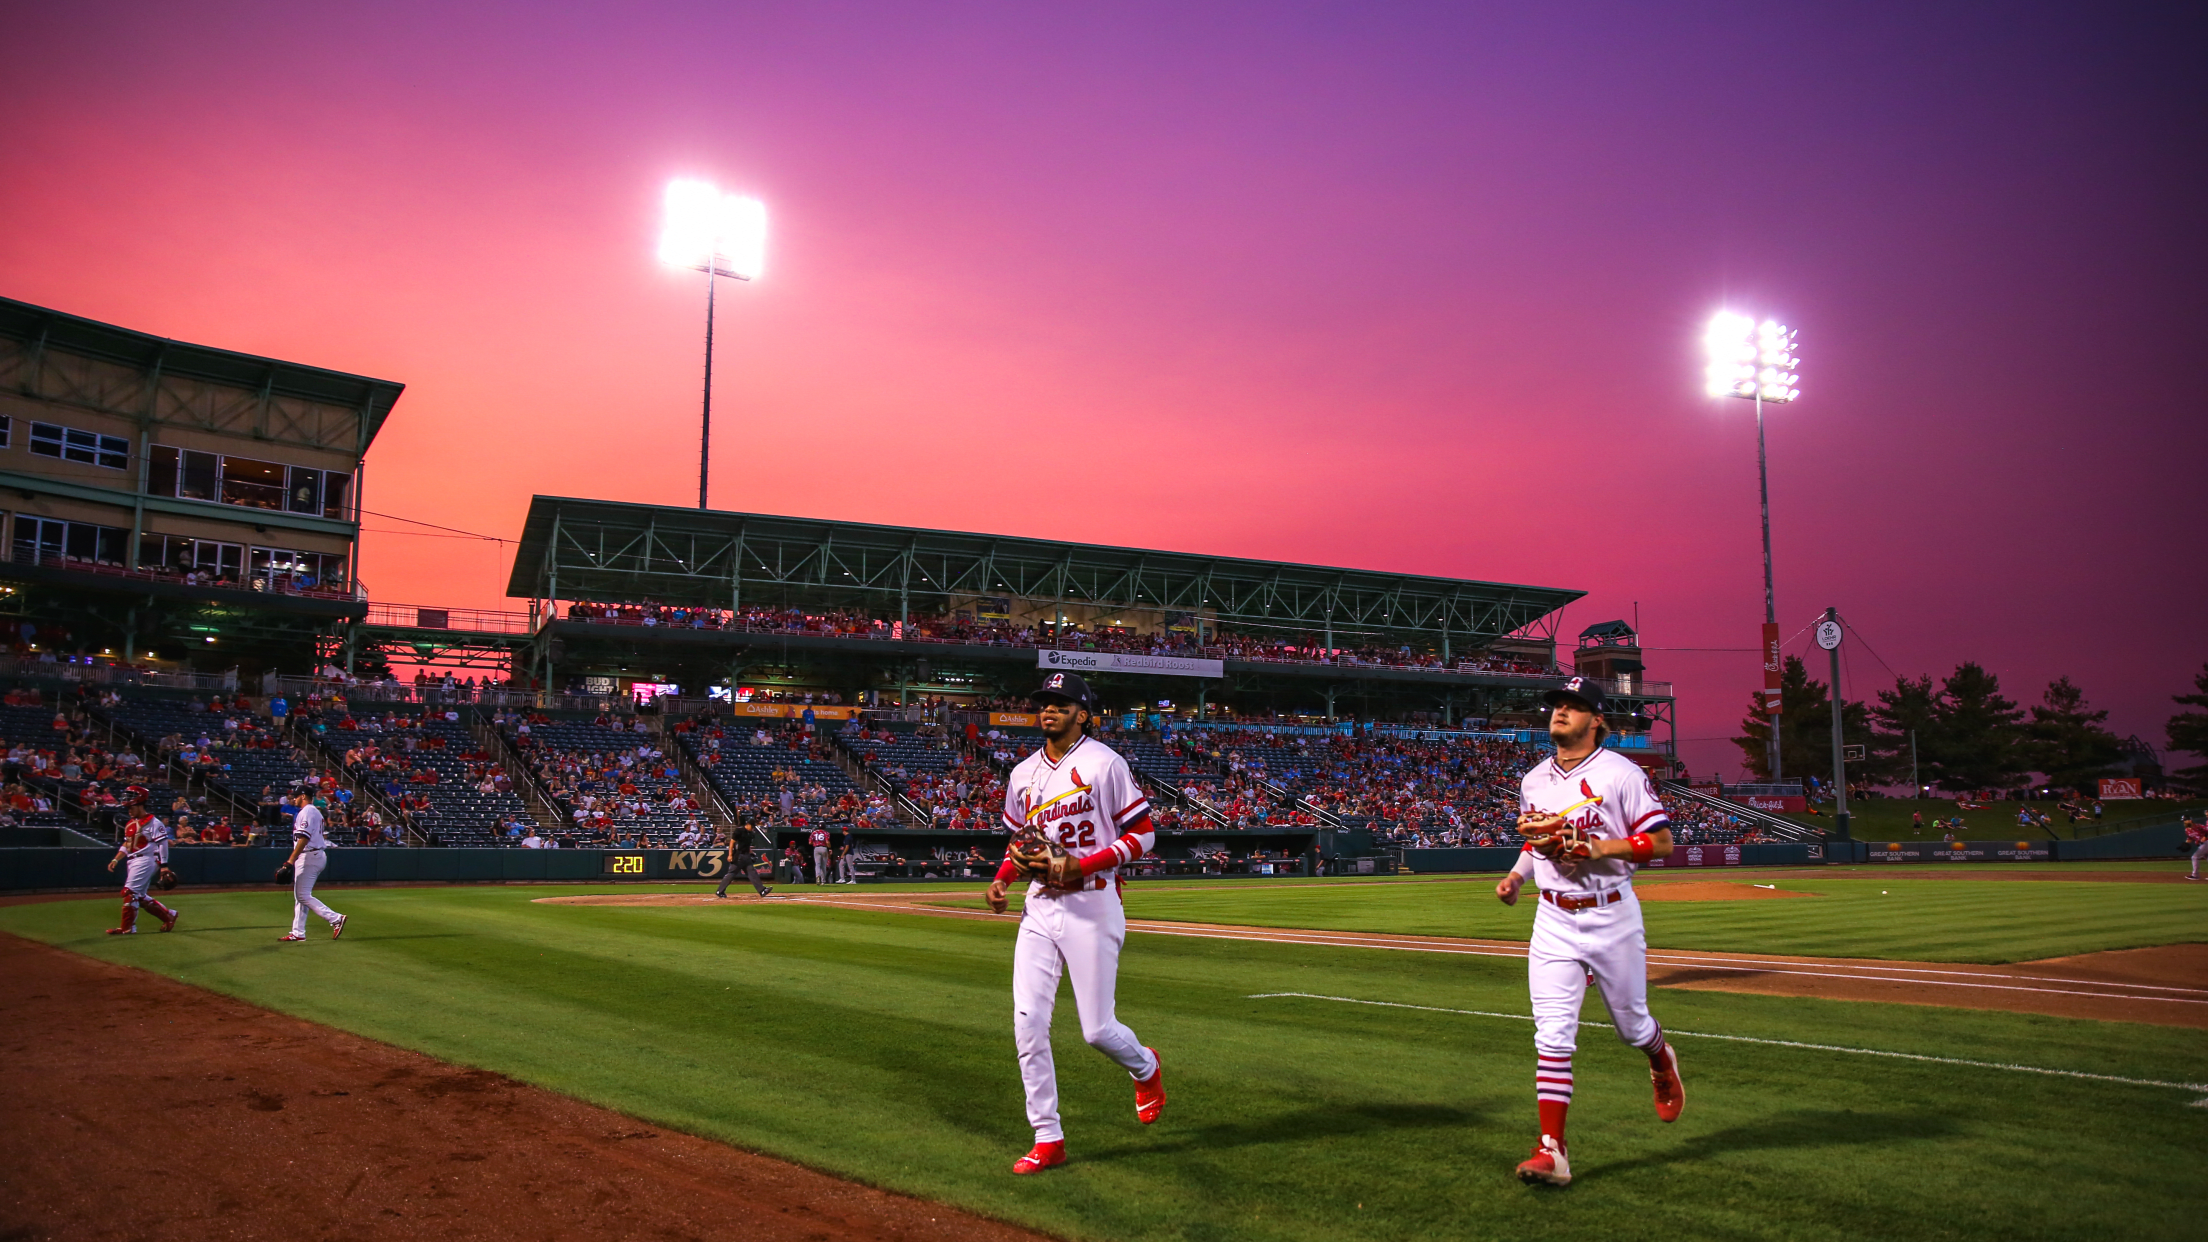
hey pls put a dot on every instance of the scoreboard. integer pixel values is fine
(629, 865)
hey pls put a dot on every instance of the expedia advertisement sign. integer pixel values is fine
(1126, 662)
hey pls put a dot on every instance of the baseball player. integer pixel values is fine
(308, 857)
(1590, 818)
(739, 862)
(145, 853)
(1077, 794)
(2196, 835)
(819, 839)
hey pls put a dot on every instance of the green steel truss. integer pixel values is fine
(627, 553)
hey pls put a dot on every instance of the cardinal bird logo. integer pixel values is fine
(1586, 789)
(1078, 783)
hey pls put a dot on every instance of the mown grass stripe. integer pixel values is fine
(1775, 1043)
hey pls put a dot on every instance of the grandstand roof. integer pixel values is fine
(616, 552)
(76, 334)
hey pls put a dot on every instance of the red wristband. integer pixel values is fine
(1643, 848)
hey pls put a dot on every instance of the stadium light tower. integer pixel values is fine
(720, 235)
(1756, 362)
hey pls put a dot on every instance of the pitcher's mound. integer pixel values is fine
(1711, 890)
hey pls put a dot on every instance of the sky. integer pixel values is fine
(1399, 287)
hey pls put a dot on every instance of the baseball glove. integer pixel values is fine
(1554, 838)
(1040, 858)
(283, 874)
(164, 879)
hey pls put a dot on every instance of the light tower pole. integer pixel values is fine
(1757, 362)
(720, 235)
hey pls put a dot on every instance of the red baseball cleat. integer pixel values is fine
(1044, 1156)
(1548, 1165)
(122, 931)
(338, 928)
(287, 937)
(1671, 1093)
(169, 923)
(1150, 1092)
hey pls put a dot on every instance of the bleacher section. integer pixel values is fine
(72, 794)
(452, 807)
(744, 774)
(246, 759)
(582, 765)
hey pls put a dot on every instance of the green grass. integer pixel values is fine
(1887, 819)
(878, 1046)
(1857, 912)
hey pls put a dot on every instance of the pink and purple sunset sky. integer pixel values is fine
(1401, 287)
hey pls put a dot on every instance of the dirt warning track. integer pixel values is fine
(264, 1126)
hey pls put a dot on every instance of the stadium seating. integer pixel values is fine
(399, 751)
(611, 777)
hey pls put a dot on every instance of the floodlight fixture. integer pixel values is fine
(1757, 361)
(708, 231)
(720, 235)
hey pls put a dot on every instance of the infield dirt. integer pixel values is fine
(266, 1126)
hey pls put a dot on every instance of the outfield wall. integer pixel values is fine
(1685, 857)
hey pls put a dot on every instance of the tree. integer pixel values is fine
(2188, 731)
(1805, 727)
(1977, 735)
(1904, 716)
(2068, 744)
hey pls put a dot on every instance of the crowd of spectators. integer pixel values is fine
(972, 629)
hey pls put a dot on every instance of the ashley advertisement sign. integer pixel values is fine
(1126, 662)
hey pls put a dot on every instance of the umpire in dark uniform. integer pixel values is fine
(739, 861)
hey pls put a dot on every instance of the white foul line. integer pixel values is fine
(1776, 1043)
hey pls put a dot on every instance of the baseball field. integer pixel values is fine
(1367, 1078)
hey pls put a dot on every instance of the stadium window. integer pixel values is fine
(38, 538)
(255, 484)
(7, 426)
(225, 562)
(161, 471)
(305, 490)
(197, 479)
(88, 447)
(334, 484)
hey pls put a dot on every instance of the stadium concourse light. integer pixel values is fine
(1756, 362)
(720, 235)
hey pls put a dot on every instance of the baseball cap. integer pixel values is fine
(1586, 689)
(1068, 686)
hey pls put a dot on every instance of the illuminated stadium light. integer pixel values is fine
(1751, 360)
(705, 229)
(1759, 362)
(720, 235)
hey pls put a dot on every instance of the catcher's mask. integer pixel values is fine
(135, 794)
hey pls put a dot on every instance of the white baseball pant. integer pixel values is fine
(1567, 945)
(820, 864)
(138, 874)
(303, 875)
(2199, 854)
(1079, 934)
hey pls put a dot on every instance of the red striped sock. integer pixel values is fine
(1552, 1092)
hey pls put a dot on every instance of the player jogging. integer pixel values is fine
(818, 838)
(2196, 835)
(145, 854)
(1590, 817)
(1077, 794)
(308, 856)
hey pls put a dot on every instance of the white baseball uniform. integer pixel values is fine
(1089, 804)
(145, 847)
(140, 865)
(1603, 936)
(304, 872)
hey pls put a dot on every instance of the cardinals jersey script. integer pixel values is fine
(1606, 795)
(1087, 802)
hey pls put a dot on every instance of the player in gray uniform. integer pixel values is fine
(309, 854)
